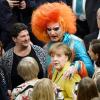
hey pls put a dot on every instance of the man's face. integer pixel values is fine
(23, 39)
(55, 32)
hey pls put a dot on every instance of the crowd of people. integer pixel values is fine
(49, 50)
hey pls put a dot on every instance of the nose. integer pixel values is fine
(52, 32)
(27, 37)
(55, 58)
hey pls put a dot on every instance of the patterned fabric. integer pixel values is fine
(3, 86)
(81, 68)
(7, 60)
(24, 91)
(77, 45)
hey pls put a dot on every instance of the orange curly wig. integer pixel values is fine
(52, 12)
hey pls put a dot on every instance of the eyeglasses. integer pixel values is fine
(56, 29)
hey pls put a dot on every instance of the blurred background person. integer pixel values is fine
(79, 7)
(94, 52)
(85, 11)
(93, 35)
(6, 22)
(87, 89)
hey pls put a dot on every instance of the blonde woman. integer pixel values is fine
(28, 69)
(61, 58)
(43, 90)
(87, 89)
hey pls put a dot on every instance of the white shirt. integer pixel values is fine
(98, 35)
(82, 17)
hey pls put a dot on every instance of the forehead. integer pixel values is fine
(58, 51)
(23, 32)
(53, 24)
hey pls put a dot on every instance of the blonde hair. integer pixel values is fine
(28, 68)
(43, 90)
(52, 12)
(59, 45)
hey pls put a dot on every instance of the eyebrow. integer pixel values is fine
(54, 28)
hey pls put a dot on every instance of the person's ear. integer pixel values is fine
(97, 56)
(14, 39)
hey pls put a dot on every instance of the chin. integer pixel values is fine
(59, 69)
(55, 40)
(26, 45)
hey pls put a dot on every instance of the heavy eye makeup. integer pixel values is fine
(55, 29)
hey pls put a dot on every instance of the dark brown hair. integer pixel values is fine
(87, 89)
(1, 46)
(95, 46)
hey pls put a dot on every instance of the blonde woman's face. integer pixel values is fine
(55, 32)
(59, 59)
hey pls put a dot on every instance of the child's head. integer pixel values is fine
(43, 90)
(28, 68)
(60, 54)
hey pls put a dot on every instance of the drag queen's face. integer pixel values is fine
(55, 32)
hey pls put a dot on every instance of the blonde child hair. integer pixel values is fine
(43, 90)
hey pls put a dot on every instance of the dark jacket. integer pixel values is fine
(3, 86)
(91, 8)
(6, 22)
